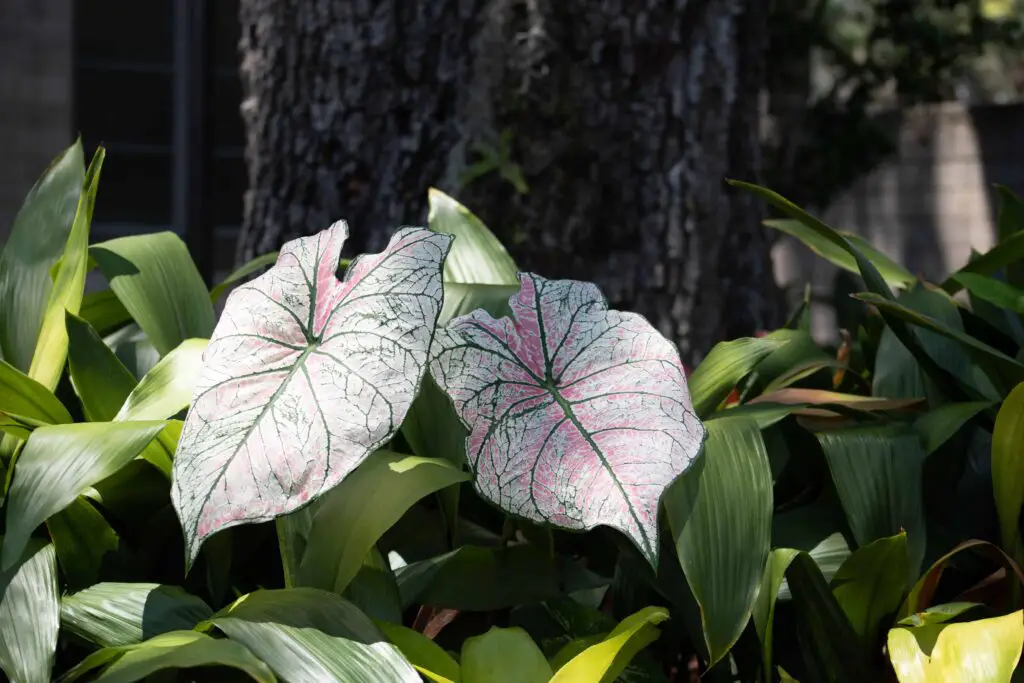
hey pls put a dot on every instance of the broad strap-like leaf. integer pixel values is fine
(304, 377)
(58, 464)
(29, 616)
(35, 244)
(116, 614)
(173, 650)
(309, 635)
(578, 416)
(68, 285)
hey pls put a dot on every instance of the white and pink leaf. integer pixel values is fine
(579, 416)
(305, 376)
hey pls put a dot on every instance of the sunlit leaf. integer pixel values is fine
(725, 583)
(304, 368)
(726, 364)
(305, 634)
(985, 651)
(21, 395)
(36, 242)
(155, 278)
(605, 660)
(168, 388)
(503, 655)
(68, 286)
(104, 311)
(993, 291)
(115, 614)
(560, 398)
(351, 518)
(29, 615)
(477, 257)
(174, 650)
(58, 463)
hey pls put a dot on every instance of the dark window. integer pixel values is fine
(124, 77)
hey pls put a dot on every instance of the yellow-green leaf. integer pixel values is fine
(169, 386)
(726, 364)
(603, 662)
(1008, 470)
(985, 651)
(503, 655)
(69, 286)
(425, 655)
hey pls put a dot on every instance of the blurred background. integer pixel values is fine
(892, 119)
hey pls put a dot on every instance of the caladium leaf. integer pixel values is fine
(304, 377)
(578, 416)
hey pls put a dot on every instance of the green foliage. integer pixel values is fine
(813, 538)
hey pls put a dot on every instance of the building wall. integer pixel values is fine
(35, 95)
(929, 205)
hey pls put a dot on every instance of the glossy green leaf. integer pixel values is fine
(429, 658)
(477, 579)
(23, 396)
(29, 615)
(174, 650)
(35, 244)
(305, 634)
(82, 538)
(723, 368)
(1003, 254)
(68, 287)
(829, 555)
(985, 651)
(503, 655)
(476, 257)
(168, 388)
(725, 583)
(877, 474)
(604, 661)
(154, 277)
(893, 273)
(350, 519)
(764, 607)
(104, 311)
(241, 274)
(101, 381)
(19, 427)
(1008, 470)
(116, 614)
(58, 463)
(994, 291)
(939, 424)
(871, 584)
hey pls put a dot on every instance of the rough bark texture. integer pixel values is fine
(622, 116)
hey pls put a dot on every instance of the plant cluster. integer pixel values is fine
(435, 466)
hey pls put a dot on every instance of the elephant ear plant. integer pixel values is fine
(578, 416)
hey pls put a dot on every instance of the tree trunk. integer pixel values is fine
(593, 136)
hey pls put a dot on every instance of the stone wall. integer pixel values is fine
(35, 95)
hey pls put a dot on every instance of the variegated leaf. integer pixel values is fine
(304, 377)
(578, 415)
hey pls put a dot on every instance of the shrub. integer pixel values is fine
(439, 466)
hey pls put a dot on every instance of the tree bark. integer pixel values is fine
(623, 117)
